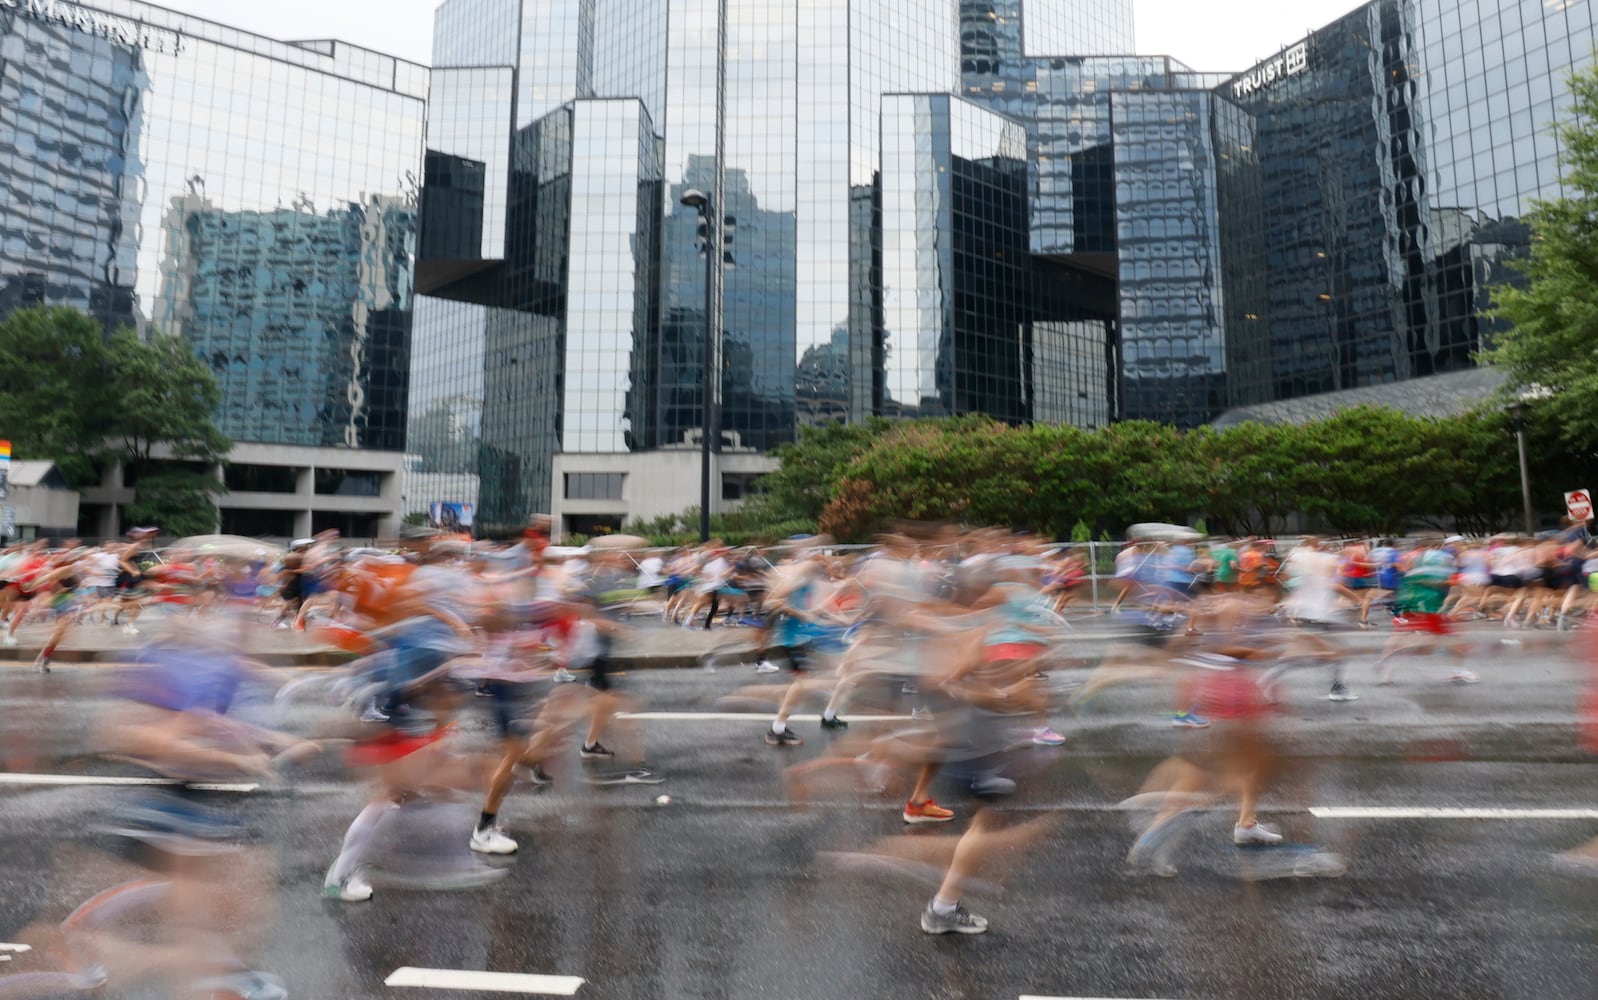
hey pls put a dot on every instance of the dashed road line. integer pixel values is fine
(18, 778)
(1035, 996)
(1446, 812)
(485, 982)
(748, 717)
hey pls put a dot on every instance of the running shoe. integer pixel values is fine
(353, 889)
(766, 667)
(927, 812)
(535, 774)
(833, 723)
(1152, 853)
(1464, 677)
(491, 841)
(959, 921)
(42, 664)
(992, 784)
(786, 738)
(1254, 834)
(636, 776)
(9, 640)
(597, 751)
(1340, 692)
(1189, 720)
(1046, 737)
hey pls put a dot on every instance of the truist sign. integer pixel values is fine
(1291, 62)
(93, 22)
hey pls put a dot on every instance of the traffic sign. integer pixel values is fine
(1579, 504)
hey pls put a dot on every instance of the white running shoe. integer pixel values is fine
(766, 667)
(130, 629)
(1464, 677)
(1258, 833)
(492, 841)
(354, 889)
(10, 640)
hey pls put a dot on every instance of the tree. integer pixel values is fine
(808, 477)
(1552, 339)
(52, 362)
(73, 395)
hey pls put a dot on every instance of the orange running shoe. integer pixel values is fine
(927, 812)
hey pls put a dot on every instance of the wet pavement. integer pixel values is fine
(730, 891)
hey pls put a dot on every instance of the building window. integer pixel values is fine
(738, 485)
(348, 483)
(594, 485)
(246, 478)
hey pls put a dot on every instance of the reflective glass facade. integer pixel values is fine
(1398, 148)
(954, 258)
(605, 114)
(256, 197)
(938, 206)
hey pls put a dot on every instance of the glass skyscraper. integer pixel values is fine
(257, 198)
(917, 207)
(809, 127)
(1398, 149)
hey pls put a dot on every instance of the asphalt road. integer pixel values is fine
(730, 890)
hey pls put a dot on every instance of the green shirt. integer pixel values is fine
(1425, 586)
(1225, 564)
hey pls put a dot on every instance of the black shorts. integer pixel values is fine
(506, 701)
(1504, 582)
(798, 657)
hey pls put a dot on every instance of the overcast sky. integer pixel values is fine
(1205, 34)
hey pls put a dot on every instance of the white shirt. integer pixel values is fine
(99, 569)
(714, 574)
(649, 573)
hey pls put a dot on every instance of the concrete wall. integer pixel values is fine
(303, 502)
(657, 483)
(43, 511)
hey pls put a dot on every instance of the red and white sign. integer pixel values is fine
(1579, 504)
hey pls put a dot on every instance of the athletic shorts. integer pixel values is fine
(1358, 582)
(392, 745)
(798, 656)
(1504, 582)
(1009, 652)
(1428, 622)
(506, 702)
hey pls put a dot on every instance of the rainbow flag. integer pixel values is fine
(5, 451)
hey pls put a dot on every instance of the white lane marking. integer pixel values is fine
(485, 982)
(748, 717)
(11, 778)
(1445, 812)
(18, 948)
(1031, 996)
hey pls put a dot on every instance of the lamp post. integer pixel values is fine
(700, 202)
(1517, 410)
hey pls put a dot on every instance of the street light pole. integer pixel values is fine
(697, 199)
(1518, 411)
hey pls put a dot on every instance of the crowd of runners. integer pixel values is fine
(959, 645)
